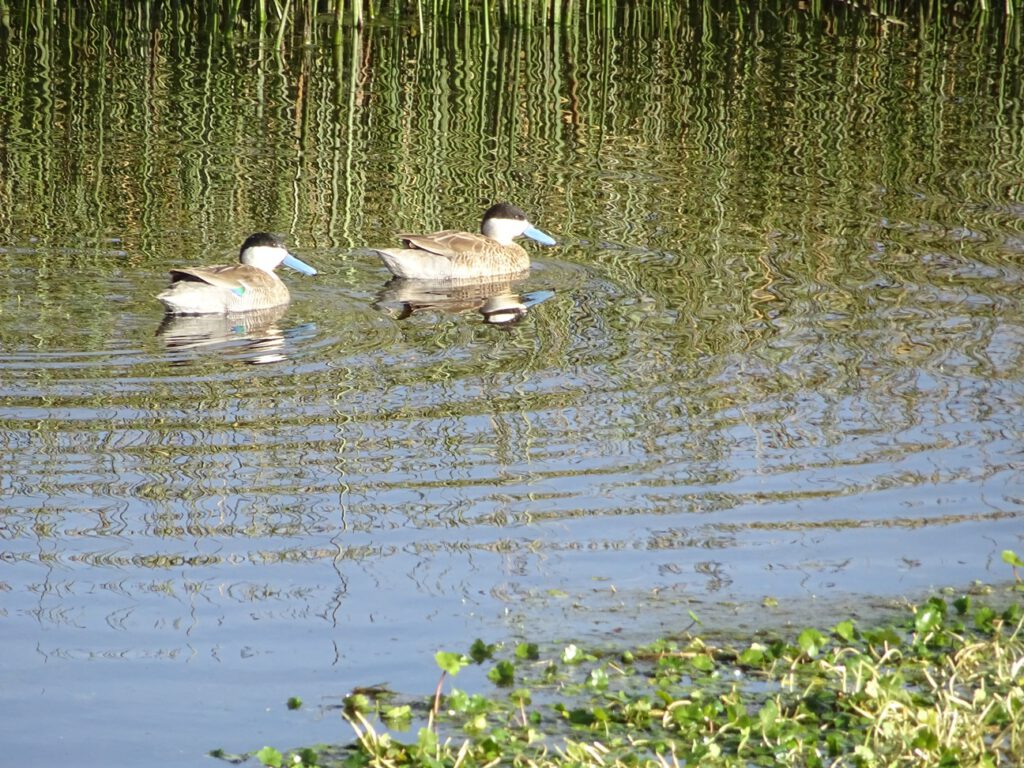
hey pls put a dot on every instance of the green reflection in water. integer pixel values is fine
(751, 206)
(730, 136)
(782, 352)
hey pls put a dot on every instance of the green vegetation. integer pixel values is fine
(311, 20)
(942, 687)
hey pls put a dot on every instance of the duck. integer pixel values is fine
(229, 288)
(454, 255)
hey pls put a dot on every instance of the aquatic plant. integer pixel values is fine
(942, 686)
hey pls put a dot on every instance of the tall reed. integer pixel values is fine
(308, 21)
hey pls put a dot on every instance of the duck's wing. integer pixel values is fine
(230, 277)
(450, 243)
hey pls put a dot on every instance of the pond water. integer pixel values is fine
(777, 352)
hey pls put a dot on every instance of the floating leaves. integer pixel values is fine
(940, 688)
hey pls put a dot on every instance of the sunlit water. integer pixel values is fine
(777, 353)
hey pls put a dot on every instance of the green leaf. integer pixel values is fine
(864, 755)
(527, 651)
(450, 662)
(426, 739)
(480, 651)
(983, 618)
(270, 757)
(521, 696)
(598, 679)
(768, 715)
(753, 656)
(883, 636)
(702, 663)
(835, 742)
(845, 630)
(928, 619)
(397, 715)
(571, 654)
(457, 700)
(1010, 558)
(810, 641)
(580, 716)
(926, 739)
(357, 702)
(666, 697)
(503, 673)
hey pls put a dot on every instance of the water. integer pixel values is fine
(777, 353)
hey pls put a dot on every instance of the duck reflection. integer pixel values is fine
(252, 336)
(496, 300)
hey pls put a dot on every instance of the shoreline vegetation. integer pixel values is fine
(308, 22)
(941, 686)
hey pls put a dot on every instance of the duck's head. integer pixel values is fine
(505, 222)
(266, 251)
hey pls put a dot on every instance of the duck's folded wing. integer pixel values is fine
(449, 243)
(230, 277)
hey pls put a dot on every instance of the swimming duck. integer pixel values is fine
(454, 255)
(226, 288)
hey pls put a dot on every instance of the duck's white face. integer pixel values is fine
(265, 257)
(506, 230)
(269, 257)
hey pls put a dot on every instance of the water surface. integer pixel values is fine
(777, 353)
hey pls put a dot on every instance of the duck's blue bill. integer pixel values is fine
(541, 237)
(298, 265)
